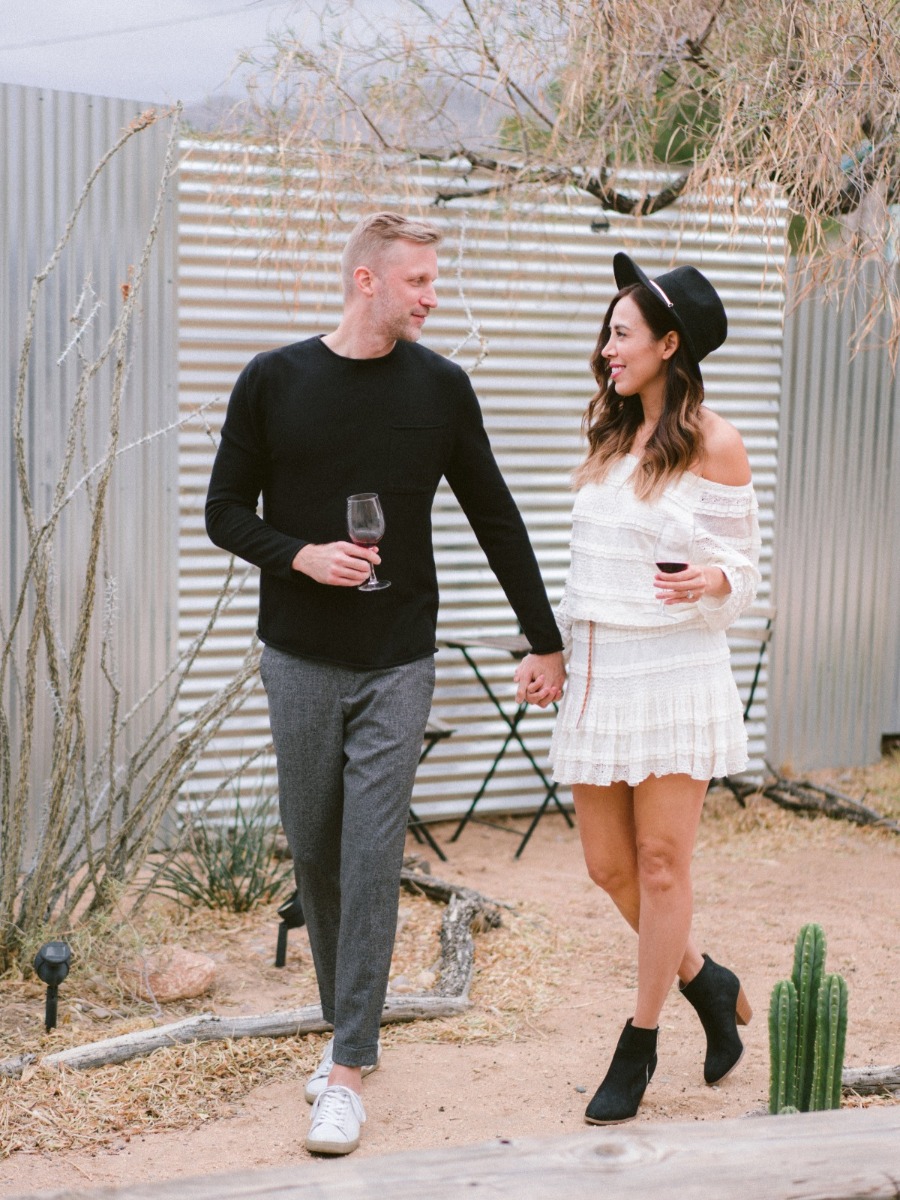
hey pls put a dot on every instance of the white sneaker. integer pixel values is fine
(336, 1117)
(318, 1081)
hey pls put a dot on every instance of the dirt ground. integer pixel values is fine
(553, 987)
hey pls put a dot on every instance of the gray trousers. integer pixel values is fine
(347, 744)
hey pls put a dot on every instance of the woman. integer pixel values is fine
(651, 712)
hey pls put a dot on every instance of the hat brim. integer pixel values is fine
(626, 272)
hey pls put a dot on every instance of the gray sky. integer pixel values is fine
(175, 50)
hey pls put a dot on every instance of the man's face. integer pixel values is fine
(403, 290)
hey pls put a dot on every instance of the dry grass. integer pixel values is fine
(49, 1110)
(519, 970)
(174, 1088)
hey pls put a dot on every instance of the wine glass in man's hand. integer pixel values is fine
(365, 525)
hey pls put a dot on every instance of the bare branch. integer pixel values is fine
(502, 73)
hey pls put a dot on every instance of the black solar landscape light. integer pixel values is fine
(291, 918)
(52, 965)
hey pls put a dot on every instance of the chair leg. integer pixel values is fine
(422, 834)
(281, 945)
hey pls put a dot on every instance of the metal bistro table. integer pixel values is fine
(517, 646)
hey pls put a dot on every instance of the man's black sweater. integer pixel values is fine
(306, 428)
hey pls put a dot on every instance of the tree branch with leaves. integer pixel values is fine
(632, 103)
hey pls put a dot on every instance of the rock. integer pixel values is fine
(168, 974)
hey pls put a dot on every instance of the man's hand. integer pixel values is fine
(340, 564)
(541, 678)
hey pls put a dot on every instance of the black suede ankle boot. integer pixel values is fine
(717, 995)
(619, 1095)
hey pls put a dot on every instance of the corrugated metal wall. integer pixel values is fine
(537, 288)
(51, 141)
(836, 657)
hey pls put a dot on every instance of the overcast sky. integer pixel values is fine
(176, 50)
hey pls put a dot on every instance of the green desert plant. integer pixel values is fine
(807, 1031)
(783, 1046)
(229, 865)
(809, 964)
(831, 1033)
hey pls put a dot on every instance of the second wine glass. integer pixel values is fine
(365, 525)
(672, 549)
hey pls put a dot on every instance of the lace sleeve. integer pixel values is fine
(564, 624)
(726, 526)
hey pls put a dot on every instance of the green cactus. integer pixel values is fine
(831, 1033)
(809, 963)
(783, 1010)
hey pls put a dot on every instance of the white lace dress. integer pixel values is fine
(650, 690)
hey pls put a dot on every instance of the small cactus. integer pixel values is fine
(809, 964)
(807, 1031)
(831, 1032)
(783, 1046)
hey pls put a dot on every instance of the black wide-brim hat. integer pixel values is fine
(693, 304)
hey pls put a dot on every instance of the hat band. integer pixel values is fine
(667, 301)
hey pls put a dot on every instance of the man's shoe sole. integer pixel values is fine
(317, 1147)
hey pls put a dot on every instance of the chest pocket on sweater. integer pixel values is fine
(416, 457)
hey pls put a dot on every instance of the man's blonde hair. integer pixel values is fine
(374, 234)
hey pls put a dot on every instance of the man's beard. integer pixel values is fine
(402, 328)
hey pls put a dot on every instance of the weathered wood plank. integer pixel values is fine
(852, 1154)
(871, 1080)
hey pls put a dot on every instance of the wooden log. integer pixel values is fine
(839, 1155)
(209, 1026)
(457, 948)
(466, 910)
(869, 1081)
(421, 883)
(803, 796)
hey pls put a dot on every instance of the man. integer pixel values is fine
(349, 675)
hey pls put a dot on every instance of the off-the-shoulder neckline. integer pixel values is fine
(731, 487)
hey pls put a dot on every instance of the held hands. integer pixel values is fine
(687, 586)
(341, 564)
(541, 678)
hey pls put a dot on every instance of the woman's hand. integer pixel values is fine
(687, 586)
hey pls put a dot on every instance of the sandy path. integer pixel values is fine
(758, 876)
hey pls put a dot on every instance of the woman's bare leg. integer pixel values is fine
(609, 842)
(666, 816)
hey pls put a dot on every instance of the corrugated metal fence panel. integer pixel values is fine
(51, 141)
(537, 288)
(836, 659)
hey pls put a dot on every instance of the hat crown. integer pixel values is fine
(692, 301)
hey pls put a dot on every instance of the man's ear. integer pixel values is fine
(364, 280)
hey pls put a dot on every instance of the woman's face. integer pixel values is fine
(637, 359)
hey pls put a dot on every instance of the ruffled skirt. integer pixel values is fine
(641, 702)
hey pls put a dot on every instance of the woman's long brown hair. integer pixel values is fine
(611, 420)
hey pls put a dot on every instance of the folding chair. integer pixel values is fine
(758, 633)
(435, 731)
(516, 645)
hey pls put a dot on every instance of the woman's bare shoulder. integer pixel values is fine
(724, 455)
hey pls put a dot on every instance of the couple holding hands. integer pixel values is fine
(635, 652)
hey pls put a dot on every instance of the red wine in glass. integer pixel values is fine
(672, 550)
(365, 525)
